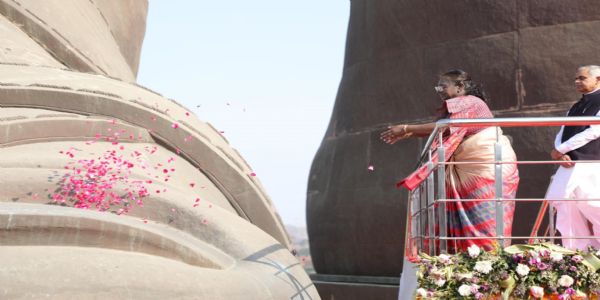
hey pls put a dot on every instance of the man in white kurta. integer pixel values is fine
(579, 180)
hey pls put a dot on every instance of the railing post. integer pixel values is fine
(441, 173)
(430, 206)
(414, 197)
(551, 229)
(499, 190)
(422, 220)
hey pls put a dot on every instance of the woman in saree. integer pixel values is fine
(461, 99)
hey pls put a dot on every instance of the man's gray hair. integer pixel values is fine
(593, 69)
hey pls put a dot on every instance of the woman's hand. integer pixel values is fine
(395, 133)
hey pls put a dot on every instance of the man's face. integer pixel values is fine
(584, 82)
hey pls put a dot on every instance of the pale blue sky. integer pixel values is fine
(265, 72)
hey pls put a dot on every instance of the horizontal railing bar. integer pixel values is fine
(517, 200)
(520, 162)
(506, 122)
(513, 237)
(419, 211)
(519, 122)
(497, 237)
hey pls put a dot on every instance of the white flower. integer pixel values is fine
(474, 288)
(464, 290)
(598, 253)
(581, 294)
(537, 292)
(445, 259)
(522, 270)
(422, 292)
(439, 276)
(534, 254)
(556, 257)
(440, 282)
(474, 251)
(565, 281)
(483, 266)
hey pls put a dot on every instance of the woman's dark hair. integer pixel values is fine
(460, 77)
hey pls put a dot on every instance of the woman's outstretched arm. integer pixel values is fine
(395, 133)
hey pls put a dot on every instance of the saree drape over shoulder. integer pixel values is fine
(472, 181)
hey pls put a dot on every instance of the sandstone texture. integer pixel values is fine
(206, 228)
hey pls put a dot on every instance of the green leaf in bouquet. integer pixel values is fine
(591, 261)
(509, 285)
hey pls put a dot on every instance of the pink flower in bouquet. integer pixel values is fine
(577, 258)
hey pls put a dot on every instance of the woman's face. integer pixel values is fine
(447, 89)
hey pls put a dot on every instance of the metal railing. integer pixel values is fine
(427, 203)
